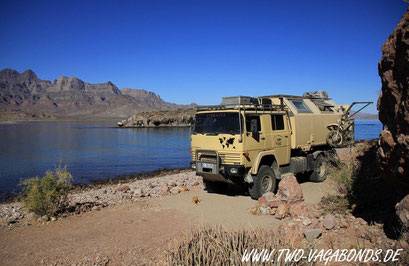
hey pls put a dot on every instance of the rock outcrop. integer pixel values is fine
(393, 106)
(171, 118)
(73, 97)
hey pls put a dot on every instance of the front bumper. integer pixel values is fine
(219, 172)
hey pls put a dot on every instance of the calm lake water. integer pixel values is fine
(98, 150)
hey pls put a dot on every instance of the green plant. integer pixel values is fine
(46, 195)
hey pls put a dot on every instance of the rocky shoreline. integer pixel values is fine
(84, 198)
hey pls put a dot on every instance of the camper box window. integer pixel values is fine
(323, 106)
(301, 106)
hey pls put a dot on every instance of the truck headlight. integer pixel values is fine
(193, 165)
(234, 170)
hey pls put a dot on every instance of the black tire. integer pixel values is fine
(214, 187)
(334, 139)
(265, 181)
(319, 173)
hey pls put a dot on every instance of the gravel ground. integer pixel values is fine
(101, 196)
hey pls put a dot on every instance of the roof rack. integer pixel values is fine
(292, 97)
(246, 107)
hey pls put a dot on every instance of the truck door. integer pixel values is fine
(278, 138)
(255, 137)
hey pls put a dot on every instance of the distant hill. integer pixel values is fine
(73, 97)
(365, 116)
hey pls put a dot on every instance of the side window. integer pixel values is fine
(277, 122)
(253, 123)
(301, 106)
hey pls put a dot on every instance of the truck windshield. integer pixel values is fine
(218, 123)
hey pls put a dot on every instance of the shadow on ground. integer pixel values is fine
(372, 198)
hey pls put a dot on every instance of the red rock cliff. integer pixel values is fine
(393, 106)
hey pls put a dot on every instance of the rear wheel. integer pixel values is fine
(265, 181)
(214, 187)
(319, 173)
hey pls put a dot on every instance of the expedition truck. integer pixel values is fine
(257, 140)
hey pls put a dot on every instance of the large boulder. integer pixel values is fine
(402, 211)
(393, 106)
(289, 190)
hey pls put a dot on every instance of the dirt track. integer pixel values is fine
(134, 232)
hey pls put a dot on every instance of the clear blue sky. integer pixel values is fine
(198, 51)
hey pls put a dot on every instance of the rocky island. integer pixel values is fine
(170, 118)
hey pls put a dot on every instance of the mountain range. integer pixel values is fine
(25, 92)
(30, 96)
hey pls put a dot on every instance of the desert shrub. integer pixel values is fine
(335, 204)
(219, 246)
(344, 175)
(46, 195)
(362, 147)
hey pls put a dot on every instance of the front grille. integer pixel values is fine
(230, 157)
(208, 159)
(226, 157)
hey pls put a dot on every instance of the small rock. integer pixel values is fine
(53, 218)
(120, 188)
(272, 211)
(306, 222)
(43, 219)
(11, 220)
(164, 190)
(183, 188)
(138, 192)
(282, 211)
(196, 200)
(329, 221)
(343, 224)
(361, 221)
(31, 216)
(174, 190)
(312, 233)
(315, 224)
(95, 208)
(264, 210)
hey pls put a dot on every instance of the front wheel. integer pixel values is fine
(265, 181)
